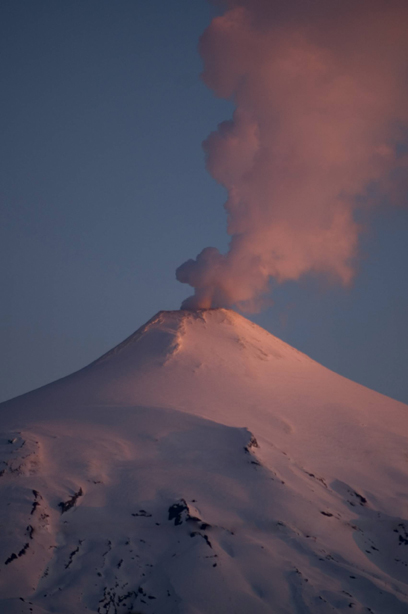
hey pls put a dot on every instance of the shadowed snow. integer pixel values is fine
(203, 466)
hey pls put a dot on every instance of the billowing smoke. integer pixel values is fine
(321, 95)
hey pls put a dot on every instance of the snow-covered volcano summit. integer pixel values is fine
(203, 466)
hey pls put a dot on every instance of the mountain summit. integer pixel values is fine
(203, 466)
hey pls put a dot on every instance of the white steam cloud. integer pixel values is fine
(321, 95)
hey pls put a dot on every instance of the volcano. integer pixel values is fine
(203, 466)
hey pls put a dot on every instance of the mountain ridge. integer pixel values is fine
(203, 466)
(183, 316)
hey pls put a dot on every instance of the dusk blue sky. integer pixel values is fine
(104, 193)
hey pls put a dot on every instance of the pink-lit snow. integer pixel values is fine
(203, 466)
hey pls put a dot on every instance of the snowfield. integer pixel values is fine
(203, 466)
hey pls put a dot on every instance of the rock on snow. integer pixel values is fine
(203, 466)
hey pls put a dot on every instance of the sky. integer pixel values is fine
(106, 191)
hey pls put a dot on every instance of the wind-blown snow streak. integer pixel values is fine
(321, 107)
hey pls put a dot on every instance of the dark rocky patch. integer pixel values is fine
(108, 550)
(252, 443)
(316, 477)
(180, 512)
(11, 558)
(35, 505)
(207, 541)
(402, 534)
(71, 557)
(111, 601)
(24, 549)
(67, 505)
(15, 556)
(36, 501)
(205, 537)
(176, 511)
(362, 500)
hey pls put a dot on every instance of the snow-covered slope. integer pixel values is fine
(203, 466)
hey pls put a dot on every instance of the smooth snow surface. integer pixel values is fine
(203, 466)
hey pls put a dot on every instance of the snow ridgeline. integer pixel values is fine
(203, 466)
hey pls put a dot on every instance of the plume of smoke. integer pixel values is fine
(321, 93)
